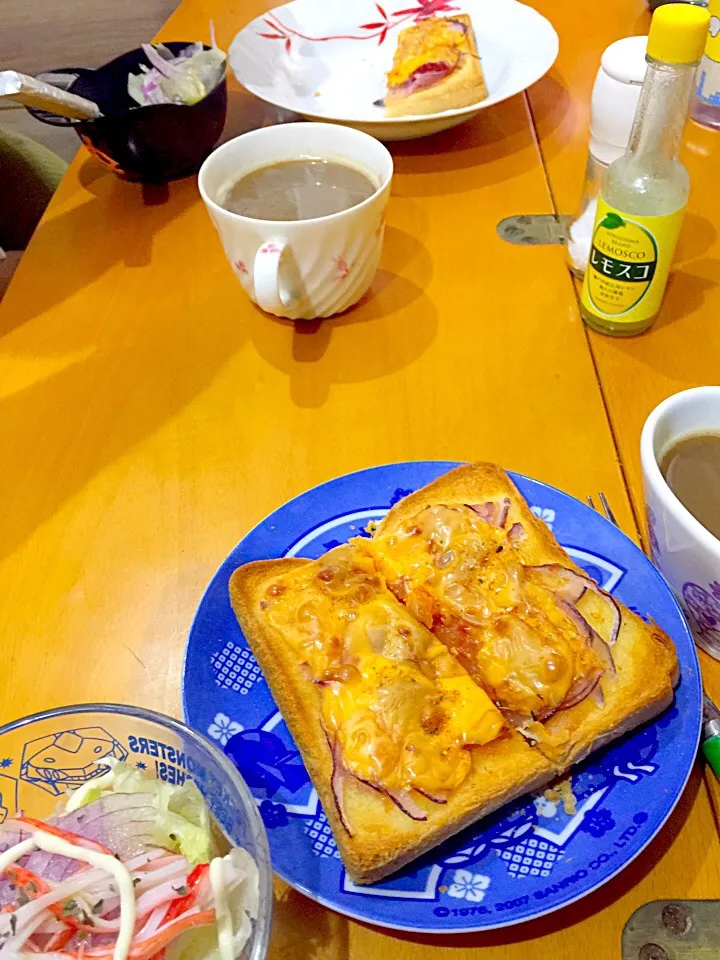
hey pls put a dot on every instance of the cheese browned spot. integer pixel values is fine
(433, 40)
(403, 710)
(463, 577)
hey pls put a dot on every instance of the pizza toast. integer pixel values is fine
(409, 728)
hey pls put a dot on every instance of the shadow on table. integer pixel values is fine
(496, 145)
(112, 206)
(166, 338)
(152, 352)
(633, 875)
(398, 320)
(115, 205)
(697, 237)
(554, 111)
(686, 291)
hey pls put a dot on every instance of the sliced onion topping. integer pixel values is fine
(433, 798)
(566, 583)
(491, 512)
(592, 637)
(339, 776)
(403, 799)
(570, 585)
(580, 690)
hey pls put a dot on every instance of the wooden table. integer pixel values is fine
(682, 350)
(150, 415)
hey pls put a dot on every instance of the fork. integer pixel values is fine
(710, 740)
(605, 507)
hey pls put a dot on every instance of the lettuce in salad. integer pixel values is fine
(183, 821)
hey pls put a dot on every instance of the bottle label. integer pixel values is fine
(630, 258)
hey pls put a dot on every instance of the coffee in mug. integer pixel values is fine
(691, 468)
(297, 190)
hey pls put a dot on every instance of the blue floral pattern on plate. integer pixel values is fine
(529, 858)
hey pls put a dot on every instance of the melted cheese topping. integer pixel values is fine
(464, 579)
(432, 40)
(402, 708)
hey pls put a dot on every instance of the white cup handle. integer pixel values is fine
(266, 276)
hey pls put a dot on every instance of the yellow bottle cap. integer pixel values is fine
(678, 33)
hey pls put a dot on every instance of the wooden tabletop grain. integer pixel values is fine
(150, 415)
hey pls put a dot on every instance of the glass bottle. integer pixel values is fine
(612, 111)
(645, 192)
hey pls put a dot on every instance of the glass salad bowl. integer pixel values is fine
(47, 754)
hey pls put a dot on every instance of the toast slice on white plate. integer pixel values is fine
(436, 67)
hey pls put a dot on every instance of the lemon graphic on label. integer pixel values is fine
(622, 264)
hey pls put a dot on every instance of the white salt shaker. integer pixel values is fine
(614, 102)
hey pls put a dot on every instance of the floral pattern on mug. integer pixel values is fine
(270, 248)
(652, 535)
(342, 267)
(703, 608)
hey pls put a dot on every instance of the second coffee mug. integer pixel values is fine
(684, 551)
(301, 269)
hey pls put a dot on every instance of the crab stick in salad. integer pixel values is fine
(124, 871)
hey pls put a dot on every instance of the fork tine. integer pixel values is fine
(606, 509)
(590, 501)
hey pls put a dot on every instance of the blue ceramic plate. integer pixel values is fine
(530, 858)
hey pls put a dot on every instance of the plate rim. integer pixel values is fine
(390, 122)
(445, 931)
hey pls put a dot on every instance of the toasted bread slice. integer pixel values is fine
(463, 86)
(374, 836)
(383, 837)
(645, 658)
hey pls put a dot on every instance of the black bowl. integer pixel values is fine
(148, 144)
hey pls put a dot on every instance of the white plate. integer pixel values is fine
(327, 59)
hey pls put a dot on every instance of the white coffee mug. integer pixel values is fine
(301, 269)
(687, 554)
